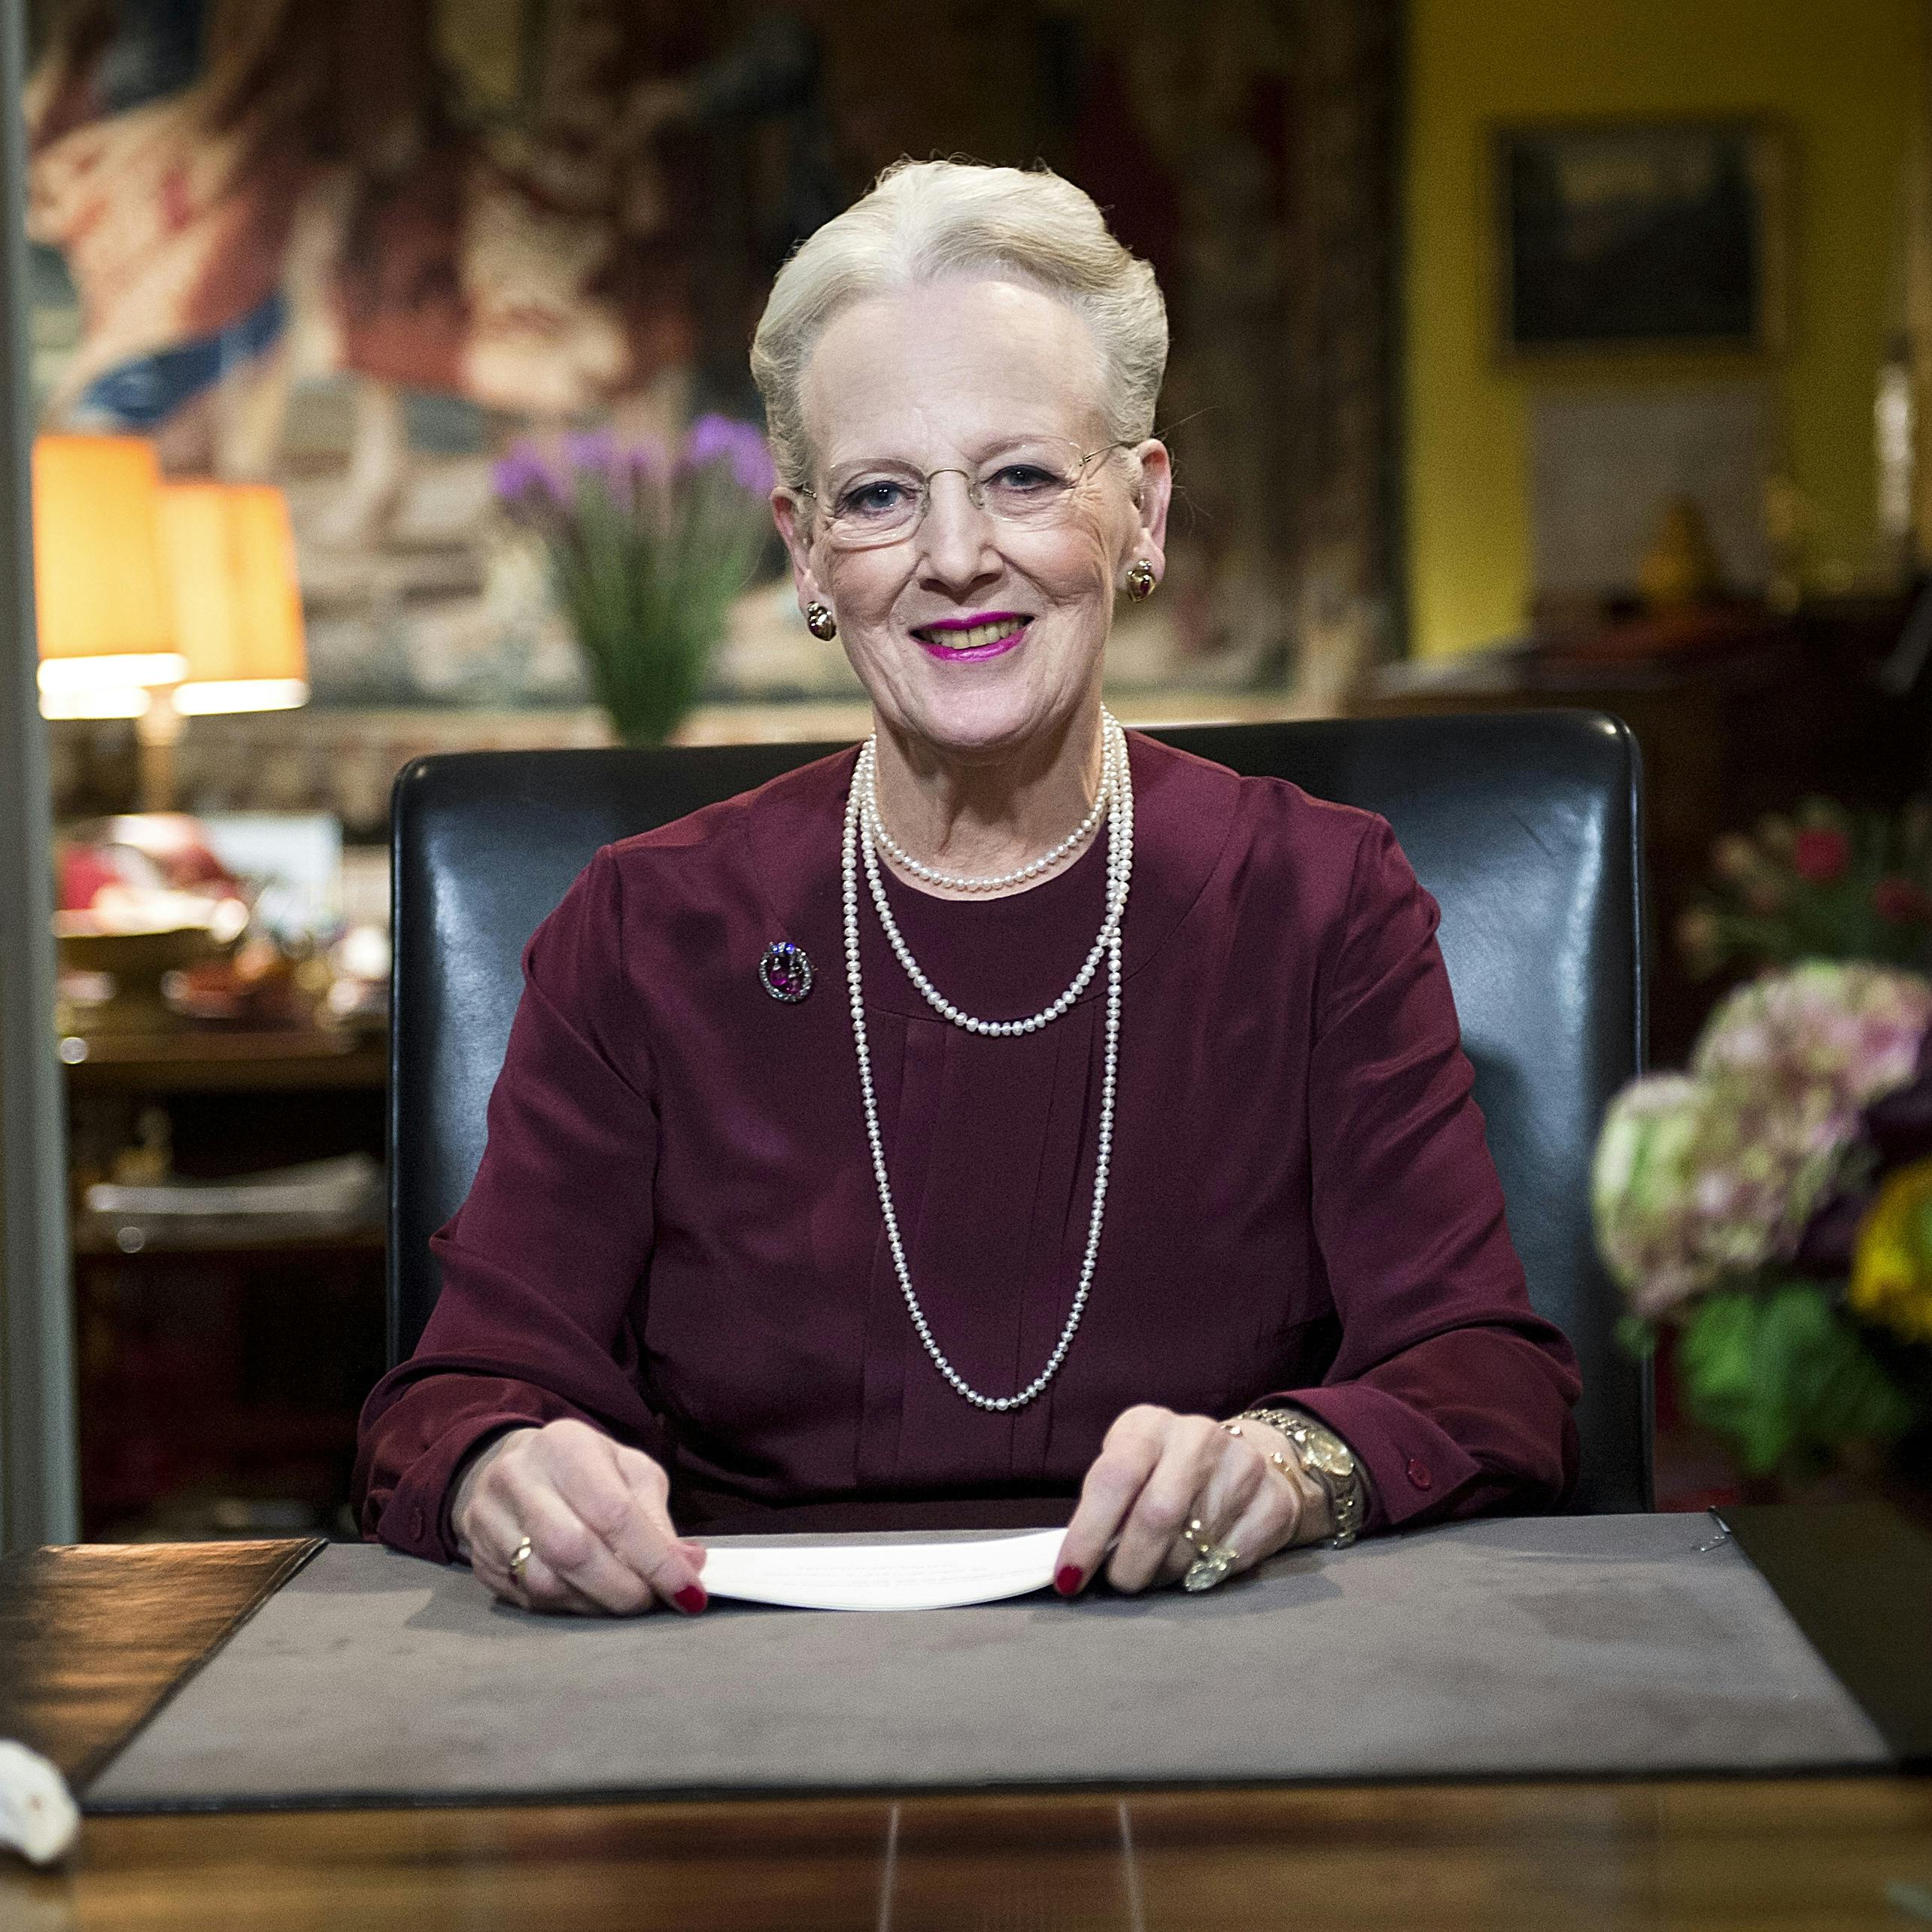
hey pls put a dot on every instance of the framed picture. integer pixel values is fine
(1641, 237)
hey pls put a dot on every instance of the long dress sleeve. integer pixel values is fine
(1455, 1395)
(542, 1263)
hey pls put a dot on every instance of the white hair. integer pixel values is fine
(923, 220)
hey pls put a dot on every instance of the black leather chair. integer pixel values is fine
(1526, 827)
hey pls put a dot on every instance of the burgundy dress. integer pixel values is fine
(674, 1236)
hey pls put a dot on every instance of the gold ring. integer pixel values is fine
(1212, 1560)
(1210, 1567)
(520, 1562)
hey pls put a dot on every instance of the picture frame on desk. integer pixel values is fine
(1657, 242)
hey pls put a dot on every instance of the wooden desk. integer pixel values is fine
(1736, 1854)
(88, 1641)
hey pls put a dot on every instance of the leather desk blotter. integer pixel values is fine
(94, 1635)
(1584, 1646)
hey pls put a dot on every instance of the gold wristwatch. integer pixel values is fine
(1330, 1461)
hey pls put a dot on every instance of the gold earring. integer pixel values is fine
(1141, 580)
(820, 622)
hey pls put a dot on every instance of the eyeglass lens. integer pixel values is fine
(1031, 483)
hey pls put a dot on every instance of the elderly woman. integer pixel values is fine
(1011, 1122)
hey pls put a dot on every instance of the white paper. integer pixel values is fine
(836, 1574)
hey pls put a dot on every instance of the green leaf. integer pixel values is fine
(647, 586)
(1784, 1376)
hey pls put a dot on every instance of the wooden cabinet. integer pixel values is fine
(1759, 710)
(221, 1375)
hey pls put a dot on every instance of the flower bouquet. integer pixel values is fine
(1820, 882)
(647, 548)
(1774, 1207)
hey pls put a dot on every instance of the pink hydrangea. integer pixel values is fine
(1847, 1029)
(1708, 1177)
(1698, 1180)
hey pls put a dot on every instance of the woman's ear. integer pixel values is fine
(791, 516)
(1151, 508)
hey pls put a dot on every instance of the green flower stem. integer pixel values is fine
(647, 587)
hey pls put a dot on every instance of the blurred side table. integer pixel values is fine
(221, 1375)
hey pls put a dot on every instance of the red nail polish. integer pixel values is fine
(691, 1599)
(1067, 1582)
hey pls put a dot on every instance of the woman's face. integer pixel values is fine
(953, 375)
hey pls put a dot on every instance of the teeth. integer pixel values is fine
(978, 635)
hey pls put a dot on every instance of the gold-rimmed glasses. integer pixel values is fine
(1029, 484)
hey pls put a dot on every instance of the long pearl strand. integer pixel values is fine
(956, 882)
(1117, 788)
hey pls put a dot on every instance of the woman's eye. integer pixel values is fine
(878, 498)
(1026, 479)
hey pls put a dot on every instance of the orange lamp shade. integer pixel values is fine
(106, 612)
(237, 605)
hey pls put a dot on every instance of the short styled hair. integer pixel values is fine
(923, 220)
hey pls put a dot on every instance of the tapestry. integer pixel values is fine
(358, 247)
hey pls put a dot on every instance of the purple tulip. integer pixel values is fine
(718, 439)
(523, 471)
(594, 452)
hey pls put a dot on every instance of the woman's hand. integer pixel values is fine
(1157, 1471)
(600, 1535)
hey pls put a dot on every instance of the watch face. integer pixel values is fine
(1329, 1453)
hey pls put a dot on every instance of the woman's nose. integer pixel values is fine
(956, 535)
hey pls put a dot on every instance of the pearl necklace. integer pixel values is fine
(1117, 788)
(953, 882)
(1114, 786)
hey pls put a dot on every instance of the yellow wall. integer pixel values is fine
(1842, 75)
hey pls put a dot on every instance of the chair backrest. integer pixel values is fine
(1526, 826)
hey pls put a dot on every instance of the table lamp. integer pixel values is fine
(158, 600)
(238, 607)
(230, 552)
(106, 611)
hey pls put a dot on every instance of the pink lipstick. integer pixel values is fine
(990, 633)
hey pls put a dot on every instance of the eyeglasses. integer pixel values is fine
(1030, 486)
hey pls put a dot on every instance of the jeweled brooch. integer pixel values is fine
(785, 972)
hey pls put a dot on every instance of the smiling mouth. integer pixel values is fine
(992, 637)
